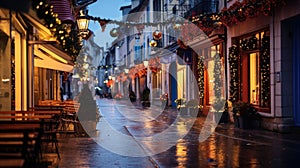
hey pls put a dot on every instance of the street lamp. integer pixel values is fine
(83, 22)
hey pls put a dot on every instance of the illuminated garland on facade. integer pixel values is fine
(233, 69)
(237, 12)
(200, 68)
(265, 70)
(70, 42)
(217, 77)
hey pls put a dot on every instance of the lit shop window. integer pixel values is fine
(181, 79)
(254, 78)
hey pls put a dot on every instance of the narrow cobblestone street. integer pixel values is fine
(226, 147)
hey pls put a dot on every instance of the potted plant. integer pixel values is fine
(194, 107)
(245, 115)
(164, 100)
(220, 110)
(181, 105)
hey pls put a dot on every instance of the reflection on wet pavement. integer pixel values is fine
(226, 147)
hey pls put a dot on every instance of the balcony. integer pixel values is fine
(204, 7)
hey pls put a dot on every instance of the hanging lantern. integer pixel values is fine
(114, 32)
(153, 43)
(157, 35)
(83, 22)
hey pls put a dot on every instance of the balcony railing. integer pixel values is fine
(204, 7)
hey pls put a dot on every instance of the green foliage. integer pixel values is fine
(69, 42)
(265, 71)
(244, 109)
(201, 77)
(234, 77)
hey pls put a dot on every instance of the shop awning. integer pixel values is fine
(47, 55)
(50, 57)
(43, 32)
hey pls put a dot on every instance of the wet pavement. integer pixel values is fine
(131, 136)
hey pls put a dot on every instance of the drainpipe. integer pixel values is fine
(274, 63)
(226, 57)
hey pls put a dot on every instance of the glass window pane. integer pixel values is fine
(254, 78)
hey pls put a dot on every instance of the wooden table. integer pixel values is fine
(28, 117)
(18, 127)
(12, 163)
(39, 112)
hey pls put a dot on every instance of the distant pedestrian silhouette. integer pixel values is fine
(87, 110)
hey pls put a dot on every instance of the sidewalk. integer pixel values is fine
(226, 147)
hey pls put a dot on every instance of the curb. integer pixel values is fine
(151, 159)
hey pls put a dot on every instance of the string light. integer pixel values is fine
(233, 68)
(69, 41)
(201, 77)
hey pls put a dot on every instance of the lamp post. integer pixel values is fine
(83, 23)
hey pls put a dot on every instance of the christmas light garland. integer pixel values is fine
(264, 68)
(70, 42)
(238, 12)
(265, 71)
(233, 69)
(200, 68)
(217, 77)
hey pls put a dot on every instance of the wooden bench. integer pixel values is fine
(49, 121)
(19, 144)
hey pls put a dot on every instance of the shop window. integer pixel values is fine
(254, 78)
(254, 72)
(181, 79)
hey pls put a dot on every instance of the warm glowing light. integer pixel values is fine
(5, 80)
(146, 62)
(126, 70)
(153, 43)
(82, 22)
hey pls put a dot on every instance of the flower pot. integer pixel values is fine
(244, 122)
(183, 111)
(146, 103)
(221, 117)
(194, 112)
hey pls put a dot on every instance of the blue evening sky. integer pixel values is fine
(107, 9)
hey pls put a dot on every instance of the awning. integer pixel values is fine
(47, 55)
(63, 9)
(50, 57)
(43, 32)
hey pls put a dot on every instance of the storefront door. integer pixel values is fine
(296, 71)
